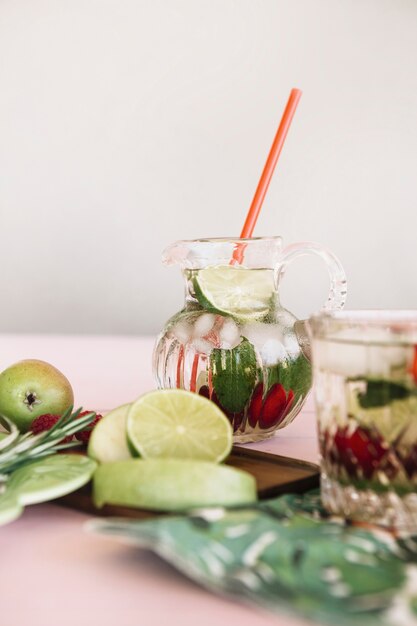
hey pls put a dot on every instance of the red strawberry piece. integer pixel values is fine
(44, 422)
(362, 451)
(273, 407)
(204, 391)
(255, 406)
(290, 400)
(368, 449)
(414, 366)
(84, 435)
(340, 452)
(234, 418)
(325, 445)
(410, 462)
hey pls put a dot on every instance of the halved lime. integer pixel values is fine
(108, 441)
(51, 477)
(171, 484)
(244, 293)
(173, 423)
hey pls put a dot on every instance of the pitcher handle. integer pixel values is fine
(338, 286)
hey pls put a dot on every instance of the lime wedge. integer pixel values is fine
(171, 484)
(173, 423)
(235, 291)
(108, 441)
(49, 478)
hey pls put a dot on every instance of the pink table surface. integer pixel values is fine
(53, 572)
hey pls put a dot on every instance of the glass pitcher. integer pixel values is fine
(233, 342)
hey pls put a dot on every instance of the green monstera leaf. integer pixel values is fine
(284, 555)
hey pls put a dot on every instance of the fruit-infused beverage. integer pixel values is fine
(233, 342)
(365, 375)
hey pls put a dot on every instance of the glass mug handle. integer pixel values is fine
(338, 286)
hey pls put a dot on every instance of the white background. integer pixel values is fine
(127, 124)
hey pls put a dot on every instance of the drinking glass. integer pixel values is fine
(365, 381)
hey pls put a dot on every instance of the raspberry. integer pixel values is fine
(84, 435)
(45, 422)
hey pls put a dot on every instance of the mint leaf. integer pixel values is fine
(291, 374)
(234, 375)
(380, 393)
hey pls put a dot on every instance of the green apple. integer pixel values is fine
(30, 388)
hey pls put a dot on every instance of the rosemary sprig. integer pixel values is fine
(18, 449)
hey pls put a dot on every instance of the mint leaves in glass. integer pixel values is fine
(365, 370)
(233, 342)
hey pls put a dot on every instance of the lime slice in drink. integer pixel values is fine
(108, 441)
(229, 290)
(173, 423)
(51, 477)
(171, 484)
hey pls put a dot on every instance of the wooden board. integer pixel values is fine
(274, 475)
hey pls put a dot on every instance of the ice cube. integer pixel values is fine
(202, 346)
(204, 324)
(182, 331)
(359, 359)
(259, 333)
(345, 359)
(272, 352)
(229, 335)
(291, 345)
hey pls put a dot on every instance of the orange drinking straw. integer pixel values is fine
(257, 201)
(270, 164)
